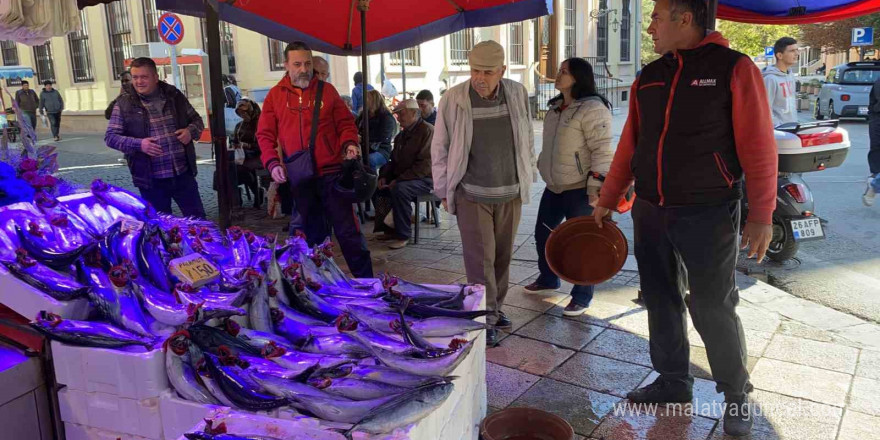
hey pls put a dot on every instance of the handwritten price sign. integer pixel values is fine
(194, 269)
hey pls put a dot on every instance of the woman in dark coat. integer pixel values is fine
(244, 137)
(382, 129)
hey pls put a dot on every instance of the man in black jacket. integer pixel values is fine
(154, 125)
(27, 101)
(874, 152)
(124, 80)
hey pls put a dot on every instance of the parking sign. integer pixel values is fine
(768, 52)
(863, 36)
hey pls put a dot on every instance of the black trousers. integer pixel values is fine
(874, 136)
(696, 245)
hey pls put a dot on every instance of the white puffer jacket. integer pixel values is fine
(577, 141)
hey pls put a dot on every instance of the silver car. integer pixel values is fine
(846, 90)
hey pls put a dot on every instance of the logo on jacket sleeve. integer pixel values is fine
(707, 82)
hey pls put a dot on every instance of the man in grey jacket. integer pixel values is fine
(780, 82)
(483, 163)
(51, 105)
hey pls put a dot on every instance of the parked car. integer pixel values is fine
(845, 93)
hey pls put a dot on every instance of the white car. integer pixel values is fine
(845, 94)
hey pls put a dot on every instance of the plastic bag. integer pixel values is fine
(45, 120)
(239, 156)
(274, 199)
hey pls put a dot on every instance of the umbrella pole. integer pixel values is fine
(403, 71)
(363, 5)
(712, 12)
(218, 122)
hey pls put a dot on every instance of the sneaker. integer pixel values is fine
(535, 287)
(398, 244)
(503, 323)
(492, 338)
(738, 418)
(662, 391)
(870, 194)
(574, 309)
(57, 138)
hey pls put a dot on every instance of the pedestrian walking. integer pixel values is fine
(51, 106)
(28, 102)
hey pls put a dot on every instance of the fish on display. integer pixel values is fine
(380, 373)
(369, 338)
(295, 315)
(60, 286)
(356, 389)
(299, 360)
(412, 337)
(303, 300)
(98, 216)
(212, 339)
(87, 333)
(427, 311)
(165, 308)
(149, 258)
(335, 345)
(405, 410)
(296, 332)
(112, 294)
(427, 296)
(241, 249)
(181, 374)
(320, 267)
(430, 366)
(238, 388)
(289, 389)
(122, 200)
(266, 366)
(427, 327)
(254, 338)
(40, 250)
(258, 312)
(337, 409)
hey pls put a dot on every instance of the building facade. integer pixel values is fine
(85, 65)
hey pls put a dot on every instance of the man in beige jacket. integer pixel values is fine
(483, 156)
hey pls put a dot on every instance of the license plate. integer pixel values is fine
(863, 110)
(807, 229)
(194, 269)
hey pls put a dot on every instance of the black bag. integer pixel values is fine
(300, 165)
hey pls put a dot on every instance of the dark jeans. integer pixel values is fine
(555, 208)
(704, 240)
(183, 189)
(874, 152)
(32, 119)
(318, 211)
(54, 123)
(403, 194)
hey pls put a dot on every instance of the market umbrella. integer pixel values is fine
(794, 11)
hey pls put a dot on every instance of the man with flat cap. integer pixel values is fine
(483, 155)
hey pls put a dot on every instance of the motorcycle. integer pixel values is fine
(802, 147)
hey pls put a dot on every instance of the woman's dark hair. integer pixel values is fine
(358, 77)
(584, 82)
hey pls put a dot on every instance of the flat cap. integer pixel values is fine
(486, 55)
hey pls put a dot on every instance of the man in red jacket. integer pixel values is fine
(286, 121)
(698, 121)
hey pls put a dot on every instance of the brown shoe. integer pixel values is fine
(535, 287)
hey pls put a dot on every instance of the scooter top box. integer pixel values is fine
(811, 147)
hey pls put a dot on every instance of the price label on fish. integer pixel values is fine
(194, 269)
(131, 225)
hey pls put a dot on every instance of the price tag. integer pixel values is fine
(132, 225)
(194, 269)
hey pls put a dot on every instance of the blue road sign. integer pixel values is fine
(863, 36)
(170, 28)
(768, 52)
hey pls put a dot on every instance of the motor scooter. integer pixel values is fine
(802, 147)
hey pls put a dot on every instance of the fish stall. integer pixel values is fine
(167, 328)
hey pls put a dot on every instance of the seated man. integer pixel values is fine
(408, 174)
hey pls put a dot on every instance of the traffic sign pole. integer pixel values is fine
(171, 32)
(175, 71)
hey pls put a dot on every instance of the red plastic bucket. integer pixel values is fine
(525, 424)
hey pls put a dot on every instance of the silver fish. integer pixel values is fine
(112, 295)
(431, 366)
(335, 345)
(287, 388)
(258, 312)
(255, 338)
(241, 249)
(296, 332)
(356, 389)
(294, 359)
(122, 200)
(427, 327)
(57, 285)
(407, 409)
(266, 366)
(335, 409)
(181, 374)
(87, 333)
(163, 307)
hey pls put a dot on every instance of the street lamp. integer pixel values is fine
(596, 14)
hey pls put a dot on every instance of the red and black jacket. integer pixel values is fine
(698, 120)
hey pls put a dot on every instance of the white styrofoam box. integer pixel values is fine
(132, 373)
(72, 431)
(111, 413)
(27, 300)
(242, 423)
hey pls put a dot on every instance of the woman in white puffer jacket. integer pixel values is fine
(575, 156)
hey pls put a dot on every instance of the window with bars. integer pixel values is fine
(151, 21)
(460, 45)
(10, 58)
(44, 67)
(227, 47)
(412, 56)
(602, 33)
(570, 28)
(80, 53)
(119, 28)
(276, 55)
(515, 41)
(625, 28)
